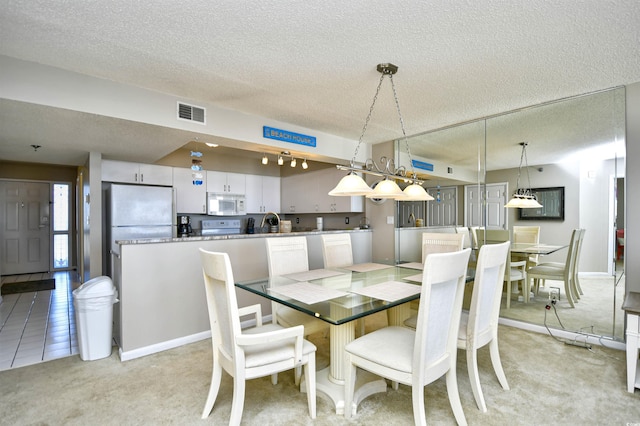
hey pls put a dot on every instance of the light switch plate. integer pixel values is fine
(389, 220)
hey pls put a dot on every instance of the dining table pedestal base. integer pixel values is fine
(367, 384)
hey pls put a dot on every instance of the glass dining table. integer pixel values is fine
(340, 296)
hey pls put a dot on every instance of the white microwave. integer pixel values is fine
(225, 204)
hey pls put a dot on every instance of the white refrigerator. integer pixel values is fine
(136, 212)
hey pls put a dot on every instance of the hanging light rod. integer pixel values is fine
(353, 184)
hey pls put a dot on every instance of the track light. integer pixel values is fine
(265, 160)
(293, 162)
(304, 164)
(280, 160)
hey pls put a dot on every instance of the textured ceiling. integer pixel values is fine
(312, 64)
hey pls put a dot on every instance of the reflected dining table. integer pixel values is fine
(340, 296)
(522, 251)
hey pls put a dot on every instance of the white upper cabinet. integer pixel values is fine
(263, 194)
(190, 198)
(223, 182)
(144, 174)
(309, 193)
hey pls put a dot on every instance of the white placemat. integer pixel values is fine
(308, 293)
(389, 290)
(412, 265)
(417, 278)
(366, 267)
(314, 274)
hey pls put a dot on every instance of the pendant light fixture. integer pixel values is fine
(523, 197)
(353, 184)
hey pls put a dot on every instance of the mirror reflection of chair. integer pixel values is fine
(479, 326)
(251, 353)
(566, 272)
(418, 357)
(514, 271)
(529, 235)
(466, 242)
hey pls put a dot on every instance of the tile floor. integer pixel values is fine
(38, 326)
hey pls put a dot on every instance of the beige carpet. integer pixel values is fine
(551, 384)
(593, 313)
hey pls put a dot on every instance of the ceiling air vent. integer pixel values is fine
(191, 113)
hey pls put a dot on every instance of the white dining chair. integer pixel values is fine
(248, 354)
(441, 242)
(435, 242)
(479, 325)
(418, 357)
(288, 255)
(336, 250)
(514, 272)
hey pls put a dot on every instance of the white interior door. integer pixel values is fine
(494, 201)
(25, 220)
(443, 210)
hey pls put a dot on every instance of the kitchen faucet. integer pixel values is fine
(264, 218)
(412, 216)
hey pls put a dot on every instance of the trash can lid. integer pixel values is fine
(96, 287)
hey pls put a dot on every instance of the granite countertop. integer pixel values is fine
(236, 236)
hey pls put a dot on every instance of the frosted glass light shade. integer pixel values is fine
(387, 189)
(523, 202)
(415, 192)
(350, 185)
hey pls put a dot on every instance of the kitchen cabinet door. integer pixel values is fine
(153, 174)
(299, 193)
(223, 182)
(271, 193)
(190, 198)
(309, 193)
(262, 194)
(145, 174)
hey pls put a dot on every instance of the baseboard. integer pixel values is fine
(163, 346)
(171, 344)
(564, 334)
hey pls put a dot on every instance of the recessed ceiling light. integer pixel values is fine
(212, 145)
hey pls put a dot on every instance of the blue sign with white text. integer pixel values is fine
(287, 136)
(422, 165)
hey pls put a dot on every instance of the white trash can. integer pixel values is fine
(93, 302)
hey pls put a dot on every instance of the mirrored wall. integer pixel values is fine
(577, 144)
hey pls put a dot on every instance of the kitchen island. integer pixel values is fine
(161, 291)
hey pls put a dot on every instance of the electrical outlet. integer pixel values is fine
(346, 220)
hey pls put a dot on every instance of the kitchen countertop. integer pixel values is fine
(236, 236)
